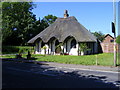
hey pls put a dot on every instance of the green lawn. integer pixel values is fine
(104, 59)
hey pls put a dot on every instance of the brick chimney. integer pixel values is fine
(66, 14)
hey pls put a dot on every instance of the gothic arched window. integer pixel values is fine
(73, 43)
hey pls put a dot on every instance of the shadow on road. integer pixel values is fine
(28, 75)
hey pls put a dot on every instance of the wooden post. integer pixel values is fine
(96, 60)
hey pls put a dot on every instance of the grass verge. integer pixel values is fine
(104, 59)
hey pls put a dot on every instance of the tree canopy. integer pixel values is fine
(49, 19)
(40, 25)
(99, 35)
(19, 24)
(118, 39)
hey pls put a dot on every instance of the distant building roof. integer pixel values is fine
(108, 35)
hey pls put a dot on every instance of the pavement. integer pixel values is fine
(70, 66)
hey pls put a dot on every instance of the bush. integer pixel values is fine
(21, 50)
(16, 49)
(9, 49)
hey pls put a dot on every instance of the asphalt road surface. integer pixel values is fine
(28, 75)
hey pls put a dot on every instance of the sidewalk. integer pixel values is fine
(69, 66)
(84, 67)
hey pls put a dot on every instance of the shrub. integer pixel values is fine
(9, 49)
(16, 49)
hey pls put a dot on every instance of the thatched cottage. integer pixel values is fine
(68, 34)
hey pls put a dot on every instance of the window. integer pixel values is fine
(111, 40)
(73, 43)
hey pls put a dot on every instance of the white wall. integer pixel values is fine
(74, 51)
(64, 47)
(43, 51)
(49, 48)
(38, 47)
(71, 51)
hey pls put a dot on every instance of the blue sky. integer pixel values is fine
(95, 16)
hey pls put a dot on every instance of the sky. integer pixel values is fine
(94, 16)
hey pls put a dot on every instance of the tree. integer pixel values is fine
(36, 28)
(40, 25)
(49, 19)
(83, 47)
(59, 48)
(99, 35)
(118, 39)
(17, 22)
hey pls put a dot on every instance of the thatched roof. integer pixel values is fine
(64, 27)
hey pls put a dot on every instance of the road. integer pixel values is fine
(28, 75)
